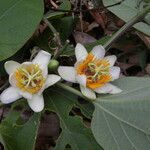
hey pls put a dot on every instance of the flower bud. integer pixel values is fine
(53, 65)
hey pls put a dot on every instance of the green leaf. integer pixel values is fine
(64, 26)
(65, 5)
(73, 132)
(86, 108)
(126, 11)
(19, 137)
(121, 121)
(18, 21)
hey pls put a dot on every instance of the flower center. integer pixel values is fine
(96, 71)
(29, 78)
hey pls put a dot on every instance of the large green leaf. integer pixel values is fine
(18, 21)
(127, 10)
(121, 121)
(19, 137)
(73, 132)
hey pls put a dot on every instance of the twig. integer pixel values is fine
(54, 4)
(81, 20)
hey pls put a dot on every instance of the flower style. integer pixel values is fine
(92, 71)
(29, 80)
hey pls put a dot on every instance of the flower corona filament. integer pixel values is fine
(29, 78)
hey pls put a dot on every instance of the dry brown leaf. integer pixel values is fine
(83, 38)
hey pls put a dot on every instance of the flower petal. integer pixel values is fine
(81, 79)
(9, 95)
(36, 103)
(115, 72)
(52, 79)
(111, 59)
(12, 79)
(67, 73)
(80, 52)
(42, 58)
(98, 51)
(88, 92)
(26, 95)
(108, 88)
(11, 66)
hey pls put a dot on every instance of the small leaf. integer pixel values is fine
(121, 121)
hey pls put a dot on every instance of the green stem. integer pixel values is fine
(56, 34)
(129, 24)
(72, 90)
(50, 26)
(61, 50)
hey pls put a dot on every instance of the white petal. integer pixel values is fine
(26, 95)
(36, 103)
(115, 72)
(9, 95)
(81, 79)
(12, 79)
(98, 51)
(88, 92)
(80, 52)
(111, 59)
(108, 88)
(52, 79)
(67, 73)
(11, 66)
(42, 58)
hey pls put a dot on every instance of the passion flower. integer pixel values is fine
(29, 80)
(92, 71)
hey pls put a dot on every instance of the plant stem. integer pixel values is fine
(72, 90)
(129, 24)
(61, 50)
(56, 34)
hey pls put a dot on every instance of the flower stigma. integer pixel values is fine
(29, 78)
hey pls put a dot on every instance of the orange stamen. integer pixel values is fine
(96, 71)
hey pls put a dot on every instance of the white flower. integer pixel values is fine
(92, 71)
(29, 80)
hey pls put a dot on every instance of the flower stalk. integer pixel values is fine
(56, 34)
(129, 24)
(73, 90)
